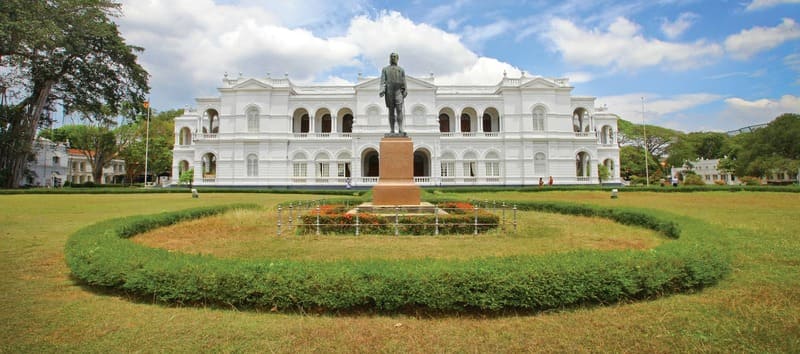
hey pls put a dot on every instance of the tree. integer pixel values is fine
(689, 147)
(658, 138)
(187, 177)
(67, 51)
(632, 163)
(162, 139)
(602, 172)
(772, 149)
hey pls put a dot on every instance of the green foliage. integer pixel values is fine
(100, 256)
(693, 180)
(632, 162)
(690, 147)
(772, 149)
(187, 177)
(97, 143)
(68, 51)
(603, 173)
(750, 181)
(159, 150)
(658, 138)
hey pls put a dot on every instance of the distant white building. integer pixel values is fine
(707, 170)
(57, 163)
(50, 165)
(271, 132)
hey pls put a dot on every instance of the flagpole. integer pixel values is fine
(646, 166)
(147, 143)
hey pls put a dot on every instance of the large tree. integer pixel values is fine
(772, 149)
(689, 147)
(159, 154)
(61, 51)
(658, 138)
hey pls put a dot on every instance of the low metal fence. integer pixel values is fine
(290, 217)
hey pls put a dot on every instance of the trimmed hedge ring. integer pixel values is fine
(100, 255)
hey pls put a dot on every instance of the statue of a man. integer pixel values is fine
(393, 90)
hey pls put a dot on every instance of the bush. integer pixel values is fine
(750, 181)
(693, 180)
(99, 255)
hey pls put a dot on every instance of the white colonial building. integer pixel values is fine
(272, 132)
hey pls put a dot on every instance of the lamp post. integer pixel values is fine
(146, 142)
(644, 131)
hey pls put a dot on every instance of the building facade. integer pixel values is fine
(271, 132)
(708, 171)
(56, 164)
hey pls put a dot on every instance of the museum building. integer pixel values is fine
(272, 132)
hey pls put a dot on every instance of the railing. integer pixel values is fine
(305, 217)
(422, 180)
(585, 134)
(491, 134)
(209, 179)
(369, 180)
(321, 135)
(583, 179)
(207, 136)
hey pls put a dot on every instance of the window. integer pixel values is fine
(347, 123)
(252, 120)
(343, 169)
(448, 168)
(465, 123)
(83, 166)
(492, 169)
(252, 165)
(299, 169)
(470, 169)
(538, 119)
(323, 169)
(56, 160)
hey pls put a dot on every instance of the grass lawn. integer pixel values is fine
(755, 309)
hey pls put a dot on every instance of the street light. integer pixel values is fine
(644, 130)
(146, 142)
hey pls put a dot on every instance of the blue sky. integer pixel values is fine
(700, 65)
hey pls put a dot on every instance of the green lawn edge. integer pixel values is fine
(101, 256)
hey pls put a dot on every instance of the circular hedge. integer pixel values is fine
(100, 255)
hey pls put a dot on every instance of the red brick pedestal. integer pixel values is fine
(396, 184)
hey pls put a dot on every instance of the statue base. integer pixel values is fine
(396, 184)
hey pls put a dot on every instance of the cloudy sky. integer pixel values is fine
(711, 65)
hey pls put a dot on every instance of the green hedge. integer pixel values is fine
(99, 255)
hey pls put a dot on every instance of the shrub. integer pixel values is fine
(750, 181)
(693, 180)
(99, 255)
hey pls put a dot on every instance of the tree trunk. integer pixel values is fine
(24, 134)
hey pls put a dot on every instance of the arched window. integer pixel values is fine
(213, 120)
(299, 168)
(607, 135)
(183, 166)
(347, 123)
(583, 164)
(448, 166)
(581, 121)
(540, 164)
(538, 119)
(470, 165)
(252, 165)
(465, 123)
(422, 163)
(444, 123)
(304, 123)
(323, 168)
(492, 167)
(370, 163)
(252, 120)
(185, 137)
(209, 165)
(326, 123)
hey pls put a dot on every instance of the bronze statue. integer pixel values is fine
(393, 90)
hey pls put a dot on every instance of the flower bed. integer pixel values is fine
(461, 218)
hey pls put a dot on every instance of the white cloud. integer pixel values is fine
(623, 47)
(578, 77)
(674, 29)
(422, 48)
(487, 71)
(763, 4)
(742, 113)
(659, 110)
(751, 41)
(476, 36)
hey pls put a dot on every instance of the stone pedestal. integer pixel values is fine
(396, 184)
